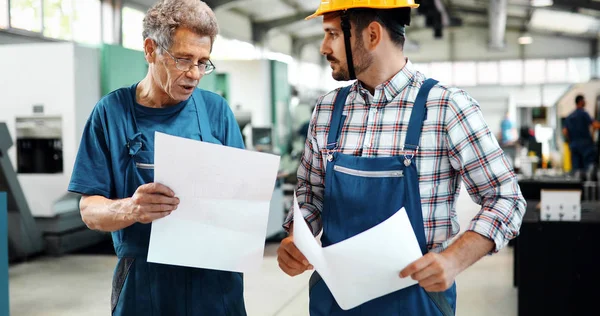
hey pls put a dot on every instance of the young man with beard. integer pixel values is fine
(392, 118)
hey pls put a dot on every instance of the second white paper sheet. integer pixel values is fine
(363, 267)
(224, 194)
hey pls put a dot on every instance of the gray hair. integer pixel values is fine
(163, 19)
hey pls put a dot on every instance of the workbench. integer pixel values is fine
(557, 264)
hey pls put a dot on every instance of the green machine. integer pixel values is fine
(121, 67)
(280, 105)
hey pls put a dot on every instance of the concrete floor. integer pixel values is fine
(81, 285)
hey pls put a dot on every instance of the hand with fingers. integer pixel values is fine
(152, 201)
(434, 272)
(290, 259)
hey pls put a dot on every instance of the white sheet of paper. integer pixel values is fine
(363, 267)
(224, 193)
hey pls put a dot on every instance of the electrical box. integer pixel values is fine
(560, 205)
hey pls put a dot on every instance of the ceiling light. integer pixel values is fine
(525, 39)
(541, 3)
(563, 22)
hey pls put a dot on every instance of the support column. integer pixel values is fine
(111, 21)
(594, 58)
(497, 16)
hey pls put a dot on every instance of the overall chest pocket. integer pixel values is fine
(144, 165)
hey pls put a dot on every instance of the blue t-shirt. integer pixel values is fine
(102, 157)
(578, 128)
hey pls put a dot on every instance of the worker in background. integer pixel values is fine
(114, 166)
(509, 131)
(393, 118)
(577, 132)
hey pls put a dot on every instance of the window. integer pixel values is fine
(580, 70)
(86, 21)
(487, 72)
(511, 72)
(132, 28)
(422, 68)
(58, 15)
(557, 71)
(441, 72)
(26, 15)
(535, 71)
(465, 74)
(3, 14)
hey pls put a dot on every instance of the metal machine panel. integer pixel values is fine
(23, 236)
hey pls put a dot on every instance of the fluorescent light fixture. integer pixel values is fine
(541, 3)
(525, 39)
(564, 22)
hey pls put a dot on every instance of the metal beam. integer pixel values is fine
(298, 43)
(303, 41)
(284, 21)
(578, 4)
(213, 4)
(293, 4)
(483, 12)
(260, 29)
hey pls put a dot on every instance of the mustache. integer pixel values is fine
(331, 59)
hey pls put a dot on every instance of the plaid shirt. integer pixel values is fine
(455, 144)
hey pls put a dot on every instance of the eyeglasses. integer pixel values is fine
(186, 65)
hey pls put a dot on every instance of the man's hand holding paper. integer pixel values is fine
(365, 266)
(224, 195)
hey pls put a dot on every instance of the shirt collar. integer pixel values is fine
(392, 87)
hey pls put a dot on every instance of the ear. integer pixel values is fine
(372, 35)
(149, 50)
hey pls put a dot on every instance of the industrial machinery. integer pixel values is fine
(28, 235)
(24, 238)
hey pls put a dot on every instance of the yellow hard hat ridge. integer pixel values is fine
(327, 6)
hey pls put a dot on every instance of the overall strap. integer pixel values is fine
(418, 115)
(205, 130)
(134, 143)
(337, 120)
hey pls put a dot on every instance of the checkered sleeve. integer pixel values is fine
(474, 152)
(310, 189)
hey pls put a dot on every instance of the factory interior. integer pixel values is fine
(525, 62)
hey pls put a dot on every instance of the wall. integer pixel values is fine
(310, 53)
(249, 86)
(47, 83)
(87, 92)
(279, 42)
(234, 26)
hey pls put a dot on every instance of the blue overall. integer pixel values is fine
(362, 192)
(142, 288)
(139, 287)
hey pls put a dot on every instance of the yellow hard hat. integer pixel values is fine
(327, 6)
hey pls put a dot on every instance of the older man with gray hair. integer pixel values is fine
(114, 166)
